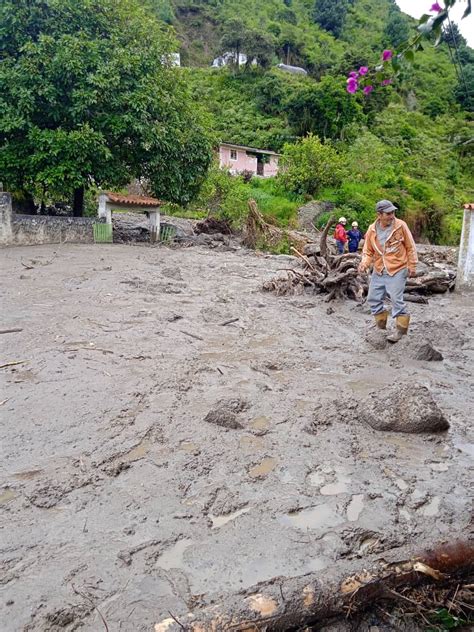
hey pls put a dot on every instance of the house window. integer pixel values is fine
(233, 154)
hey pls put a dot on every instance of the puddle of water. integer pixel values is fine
(266, 466)
(467, 448)
(334, 488)
(219, 521)
(268, 341)
(260, 423)
(405, 450)
(302, 405)
(316, 478)
(173, 557)
(251, 443)
(27, 475)
(417, 494)
(317, 564)
(431, 508)
(138, 452)
(404, 514)
(6, 496)
(400, 483)
(439, 467)
(312, 518)
(408, 450)
(361, 386)
(188, 446)
(355, 507)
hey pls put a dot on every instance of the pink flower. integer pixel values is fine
(436, 8)
(353, 74)
(386, 82)
(386, 55)
(363, 70)
(368, 89)
(352, 85)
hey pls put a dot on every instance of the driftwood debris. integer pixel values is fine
(258, 232)
(337, 276)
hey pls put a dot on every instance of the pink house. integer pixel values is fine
(237, 158)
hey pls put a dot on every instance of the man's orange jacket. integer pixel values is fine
(399, 251)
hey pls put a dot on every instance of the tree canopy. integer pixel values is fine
(89, 98)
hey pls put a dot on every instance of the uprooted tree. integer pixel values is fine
(337, 276)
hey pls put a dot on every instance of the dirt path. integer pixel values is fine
(119, 498)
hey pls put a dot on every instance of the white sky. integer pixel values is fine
(416, 8)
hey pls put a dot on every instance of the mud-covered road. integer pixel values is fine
(157, 458)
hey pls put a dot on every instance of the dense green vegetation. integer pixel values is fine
(90, 101)
(88, 98)
(408, 142)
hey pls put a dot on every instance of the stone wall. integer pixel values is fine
(27, 230)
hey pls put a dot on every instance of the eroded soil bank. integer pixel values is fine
(156, 460)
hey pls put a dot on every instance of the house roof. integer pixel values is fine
(133, 200)
(259, 151)
(469, 207)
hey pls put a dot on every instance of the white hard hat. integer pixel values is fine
(355, 224)
(342, 220)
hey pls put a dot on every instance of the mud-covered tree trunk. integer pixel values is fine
(78, 202)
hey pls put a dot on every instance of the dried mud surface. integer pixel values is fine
(155, 459)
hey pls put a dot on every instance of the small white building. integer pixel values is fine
(230, 58)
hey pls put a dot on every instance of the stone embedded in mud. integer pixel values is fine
(403, 408)
(377, 338)
(225, 413)
(223, 417)
(428, 353)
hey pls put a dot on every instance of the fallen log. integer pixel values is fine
(283, 603)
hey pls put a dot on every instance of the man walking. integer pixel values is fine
(389, 247)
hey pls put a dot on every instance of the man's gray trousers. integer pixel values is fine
(382, 285)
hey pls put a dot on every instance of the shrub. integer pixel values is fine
(309, 165)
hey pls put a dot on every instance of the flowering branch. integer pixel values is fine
(390, 65)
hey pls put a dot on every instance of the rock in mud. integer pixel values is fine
(377, 338)
(226, 412)
(403, 408)
(427, 353)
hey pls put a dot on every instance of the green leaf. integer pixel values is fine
(409, 55)
(468, 10)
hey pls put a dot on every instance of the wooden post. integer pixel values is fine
(154, 223)
(465, 277)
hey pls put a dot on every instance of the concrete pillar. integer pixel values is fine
(6, 212)
(465, 277)
(104, 210)
(154, 223)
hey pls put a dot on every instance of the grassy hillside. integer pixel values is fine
(408, 142)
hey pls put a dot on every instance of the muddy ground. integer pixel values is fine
(156, 460)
